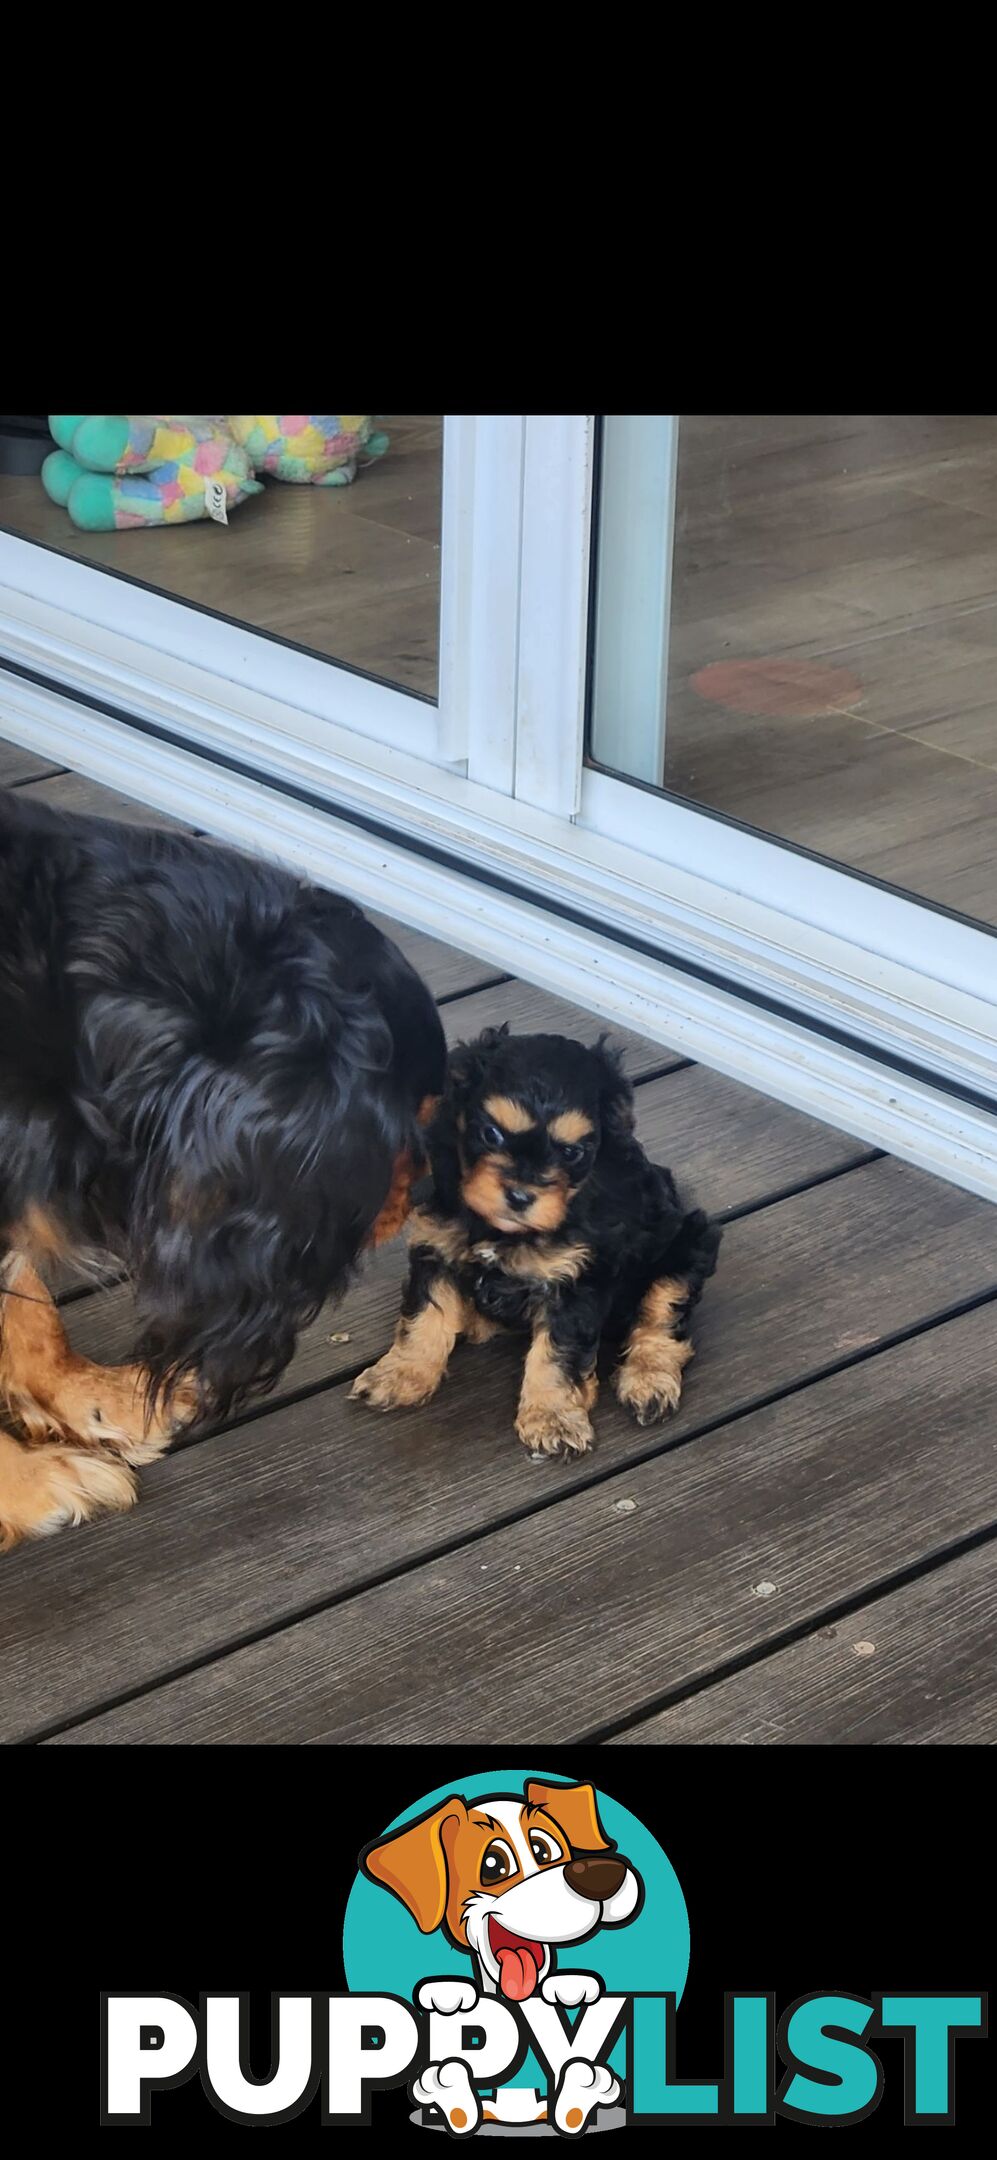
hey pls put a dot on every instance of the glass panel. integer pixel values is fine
(796, 626)
(351, 572)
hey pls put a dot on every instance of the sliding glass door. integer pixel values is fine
(690, 717)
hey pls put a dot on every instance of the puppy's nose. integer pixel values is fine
(595, 1875)
(517, 1198)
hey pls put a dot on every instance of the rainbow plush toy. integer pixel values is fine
(324, 448)
(114, 470)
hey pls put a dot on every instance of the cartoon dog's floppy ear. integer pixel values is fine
(412, 1862)
(574, 1808)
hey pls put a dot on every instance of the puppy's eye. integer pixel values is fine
(572, 1155)
(492, 1137)
(499, 1861)
(544, 1849)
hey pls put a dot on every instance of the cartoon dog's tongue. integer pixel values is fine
(519, 1962)
(518, 1971)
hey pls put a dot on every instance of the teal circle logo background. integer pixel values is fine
(385, 1953)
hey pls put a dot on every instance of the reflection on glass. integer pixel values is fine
(351, 571)
(797, 618)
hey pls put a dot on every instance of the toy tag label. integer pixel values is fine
(216, 501)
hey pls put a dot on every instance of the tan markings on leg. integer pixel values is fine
(41, 1488)
(509, 1114)
(411, 1371)
(474, 1327)
(571, 1125)
(33, 1346)
(446, 1238)
(552, 1418)
(39, 1236)
(648, 1378)
(427, 1109)
(50, 1390)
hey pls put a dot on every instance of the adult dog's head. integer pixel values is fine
(253, 1062)
(527, 1115)
(509, 1878)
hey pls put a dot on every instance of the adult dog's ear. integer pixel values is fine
(616, 1096)
(468, 1063)
(574, 1808)
(412, 1862)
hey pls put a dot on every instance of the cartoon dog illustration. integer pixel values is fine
(511, 1879)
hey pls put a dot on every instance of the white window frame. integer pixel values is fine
(649, 911)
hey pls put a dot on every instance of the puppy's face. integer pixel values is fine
(531, 1112)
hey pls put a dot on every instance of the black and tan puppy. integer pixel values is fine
(546, 1215)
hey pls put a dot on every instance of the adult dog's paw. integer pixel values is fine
(105, 1406)
(42, 1489)
(446, 2085)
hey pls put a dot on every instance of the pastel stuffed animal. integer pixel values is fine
(324, 448)
(115, 470)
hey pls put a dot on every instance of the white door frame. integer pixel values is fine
(612, 895)
(631, 617)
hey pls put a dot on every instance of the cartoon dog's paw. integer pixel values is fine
(448, 1997)
(650, 1387)
(446, 2085)
(571, 1988)
(583, 2087)
(396, 1382)
(547, 1429)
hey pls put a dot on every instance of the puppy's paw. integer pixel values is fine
(555, 1429)
(651, 1387)
(447, 1997)
(44, 1488)
(583, 2087)
(395, 1383)
(571, 1988)
(446, 2085)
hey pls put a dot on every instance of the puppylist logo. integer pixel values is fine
(515, 1953)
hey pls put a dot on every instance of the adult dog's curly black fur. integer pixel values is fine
(546, 1214)
(209, 1070)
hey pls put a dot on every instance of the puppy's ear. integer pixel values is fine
(412, 1862)
(574, 1808)
(468, 1062)
(616, 1096)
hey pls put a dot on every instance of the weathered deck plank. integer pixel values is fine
(18, 766)
(592, 1612)
(448, 971)
(917, 1667)
(311, 1501)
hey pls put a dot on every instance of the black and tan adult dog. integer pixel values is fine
(213, 1073)
(547, 1215)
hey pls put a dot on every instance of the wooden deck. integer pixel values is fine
(801, 1555)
